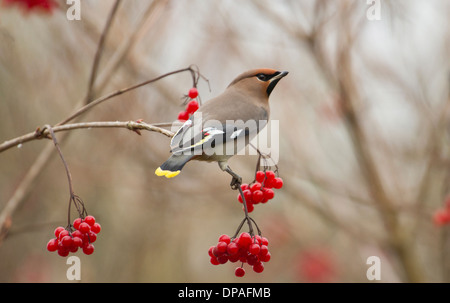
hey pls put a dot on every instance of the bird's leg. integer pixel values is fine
(236, 180)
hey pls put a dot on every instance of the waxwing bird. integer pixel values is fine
(225, 124)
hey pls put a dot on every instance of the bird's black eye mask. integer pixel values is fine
(266, 77)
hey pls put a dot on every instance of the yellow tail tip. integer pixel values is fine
(167, 173)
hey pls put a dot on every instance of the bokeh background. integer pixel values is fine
(364, 138)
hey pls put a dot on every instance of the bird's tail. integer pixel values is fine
(173, 165)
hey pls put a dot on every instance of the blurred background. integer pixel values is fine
(364, 120)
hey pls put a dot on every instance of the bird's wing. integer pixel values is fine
(187, 140)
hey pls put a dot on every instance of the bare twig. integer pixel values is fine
(119, 92)
(99, 52)
(35, 135)
(44, 133)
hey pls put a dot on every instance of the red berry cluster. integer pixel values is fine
(85, 234)
(261, 190)
(245, 248)
(28, 5)
(191, 107)
(442, 216)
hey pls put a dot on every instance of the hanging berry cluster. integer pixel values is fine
(191, 106)
(244, 249)
(261, 190)
(83, 232)
(248, 247)
(68, 241)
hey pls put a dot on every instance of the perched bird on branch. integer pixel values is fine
(225, 124)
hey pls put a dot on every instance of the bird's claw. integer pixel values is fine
(235, 183)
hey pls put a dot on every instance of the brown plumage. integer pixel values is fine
(222, 125)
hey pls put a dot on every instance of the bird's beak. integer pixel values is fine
(279, 76)
(274, 80)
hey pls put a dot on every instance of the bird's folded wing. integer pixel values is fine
(187, 140)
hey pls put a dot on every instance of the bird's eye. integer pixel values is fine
(261, 77)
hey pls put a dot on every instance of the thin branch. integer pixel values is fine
(99, 52)
(51, 132)
(117, 93)
(44, 133)
(35, 135)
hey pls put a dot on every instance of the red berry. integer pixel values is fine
(254, 249)
(62, 234)
(441, 217)
(239, 272)
(232, 249)
(247, 195)
(52, 245)
(222, 247)
(224, 238)
(269, 193)
(89, 220)
(77, 234)
(265, 258)
(243, 259)
(270, 175)
(216, 252)
(244, 240)
(84, 228)
(233, 258)
(264, 250)
(192, 107)
(252, 260)
(265, 199)
(264, 241)
(183, 116)
(214, 261)
(92, 237)
(58, 230)
(193, 93)
(67, 241)
(77, 242)
(210, 251)
(244, 186)
(73, 248)
(257, 196)
(63, 252)
(277, 183)
(222, 259)
(257, 239)
(77, 222)
(96, 228)
(258, 267)
(255, 187)
(260, 176)
(88, 249)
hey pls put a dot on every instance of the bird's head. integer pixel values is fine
(258, 82)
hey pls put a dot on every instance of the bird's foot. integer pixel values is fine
(236, 182)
